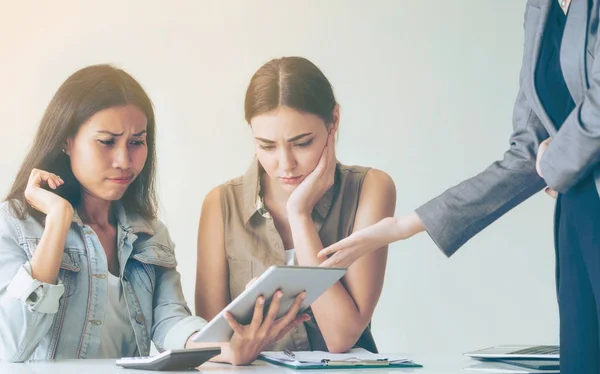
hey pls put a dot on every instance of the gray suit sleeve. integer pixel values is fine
(575, 149)
(462, 211)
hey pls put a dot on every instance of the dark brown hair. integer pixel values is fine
(83, 94)
(290, 81)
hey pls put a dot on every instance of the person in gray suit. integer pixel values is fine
(555, 145)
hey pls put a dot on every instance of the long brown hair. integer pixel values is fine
(83, 94)
(290, 81)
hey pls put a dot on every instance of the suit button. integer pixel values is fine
(96, 322)
(139, 318)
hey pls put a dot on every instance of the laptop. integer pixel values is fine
(501, 367)
(543, 352)
(536, 364)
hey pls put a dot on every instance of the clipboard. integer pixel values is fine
(355, 359)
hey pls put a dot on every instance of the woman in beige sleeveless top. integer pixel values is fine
(294, 200)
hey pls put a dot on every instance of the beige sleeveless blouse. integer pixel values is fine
(252, 242)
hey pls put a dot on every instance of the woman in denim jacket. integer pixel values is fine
(87, 270)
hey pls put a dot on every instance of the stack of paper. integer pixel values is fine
(355, 357)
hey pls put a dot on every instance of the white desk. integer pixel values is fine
(433, 364)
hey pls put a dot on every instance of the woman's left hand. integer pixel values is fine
(304, 198)
(543, 146)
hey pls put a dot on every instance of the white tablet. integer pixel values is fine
(292, 280)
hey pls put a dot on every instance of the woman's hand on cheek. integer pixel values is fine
(46, 201)
(304, 198)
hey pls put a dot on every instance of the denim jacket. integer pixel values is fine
(40, 321)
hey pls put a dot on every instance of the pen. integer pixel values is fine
(378, 362)
(289, 353)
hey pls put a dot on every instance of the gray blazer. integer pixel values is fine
(463, 210)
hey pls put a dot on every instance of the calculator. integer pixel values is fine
(174, 359)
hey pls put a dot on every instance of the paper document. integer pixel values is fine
(311, 358)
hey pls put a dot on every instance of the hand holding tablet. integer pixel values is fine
(291, 280)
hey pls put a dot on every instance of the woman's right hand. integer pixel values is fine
(250, 340)
(43, 200)
(345, 252)
(45, 263)
(550, 192)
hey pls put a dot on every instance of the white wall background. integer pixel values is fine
(426, 89)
